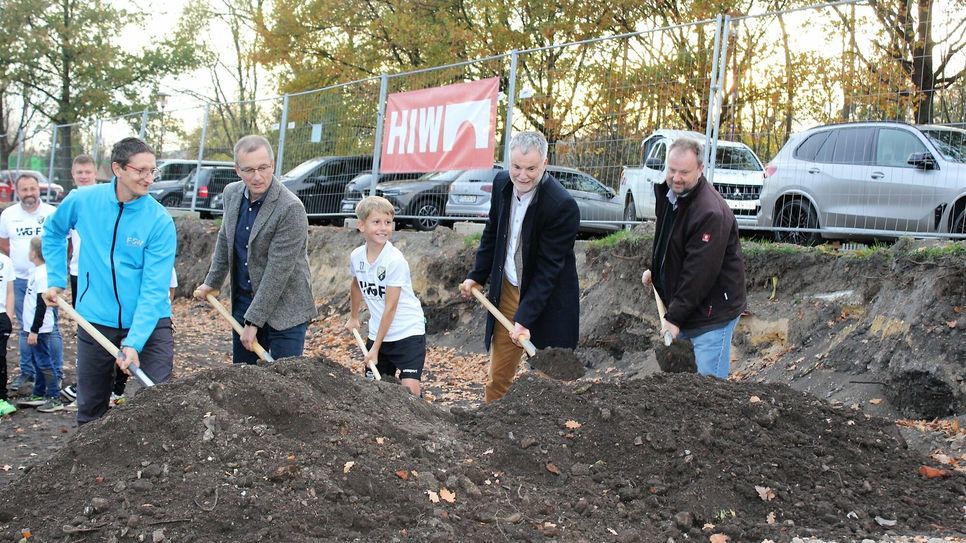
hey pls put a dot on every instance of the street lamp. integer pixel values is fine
(163, 101)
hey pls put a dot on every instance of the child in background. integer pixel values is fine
(39, 320)
(381, 277)
(6, 305)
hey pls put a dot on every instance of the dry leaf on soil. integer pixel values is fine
(719, 538)
(754, 399)
(572, 424)
(347, 467)
(403, 474)
(433, 497)
(765, 493)
(552, 468)
(447, 495)
(771, 518)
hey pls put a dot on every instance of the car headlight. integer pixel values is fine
(391, 192)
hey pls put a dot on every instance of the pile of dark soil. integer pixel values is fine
(303, 451)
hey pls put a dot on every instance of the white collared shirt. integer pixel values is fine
(518, 211)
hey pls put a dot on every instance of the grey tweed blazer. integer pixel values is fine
(278, 263)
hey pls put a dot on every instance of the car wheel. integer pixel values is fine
(797, 214)
(959, 223)
(205, 215)
(171, 200)
(630, 214)
(426, 208)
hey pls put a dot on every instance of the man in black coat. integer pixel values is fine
(698, 268)
(527, 254)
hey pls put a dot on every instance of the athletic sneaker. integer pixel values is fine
(69, 393)
(52, 405)
(20, 382)
(32, 401)
(118, 400)
(6, 408)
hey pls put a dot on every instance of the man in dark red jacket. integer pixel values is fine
(697, 266)
(527, 255)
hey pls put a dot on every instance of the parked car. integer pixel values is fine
(9, 194)
(169, 193)
(737, 175)
(420, 195)
(600, 209)
(210, 182)
(878, 176)
(174, 169)
(320, 182)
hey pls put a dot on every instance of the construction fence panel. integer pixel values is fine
(424, 200)
(857, 63)
(328, 140)
(599, 101)
(31, 154)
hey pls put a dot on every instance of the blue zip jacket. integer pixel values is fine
(125, 267)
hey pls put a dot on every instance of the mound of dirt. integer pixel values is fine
(558, 363)
(303, 451)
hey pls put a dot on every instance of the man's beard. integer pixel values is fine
(29, 201)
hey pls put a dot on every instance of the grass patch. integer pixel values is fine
(472, 240)
(615, 239)
(753, 248)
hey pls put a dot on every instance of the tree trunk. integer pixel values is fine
(923, 76)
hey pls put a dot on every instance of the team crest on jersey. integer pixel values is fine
(40, 220)
(381, 273)
(362, 265)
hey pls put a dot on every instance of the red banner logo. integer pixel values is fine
(444, 128)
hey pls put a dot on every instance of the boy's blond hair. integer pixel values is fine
(37, 247)
(370, 204)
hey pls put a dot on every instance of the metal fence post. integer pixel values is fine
(201, 156)
(282, 126)
(710, 134)
(144, 124)
(97, 140)
(511, 95)
(722, 67)
(19, 151)
(53, 154)
(380, 121)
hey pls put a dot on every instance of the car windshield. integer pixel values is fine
(950, 143)
(304, 167)
(737, 158)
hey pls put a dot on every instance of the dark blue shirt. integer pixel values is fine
(243, 231)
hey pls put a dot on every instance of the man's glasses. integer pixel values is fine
(249, 172)
(144, 173)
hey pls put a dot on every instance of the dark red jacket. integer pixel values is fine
(704, 271)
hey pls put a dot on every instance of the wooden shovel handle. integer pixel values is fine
(259, 350)
(100, 338)
(527, 344)
(365, 352)
(662, 311)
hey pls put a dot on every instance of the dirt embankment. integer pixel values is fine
(303, 451)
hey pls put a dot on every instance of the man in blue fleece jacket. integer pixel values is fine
(123, 274)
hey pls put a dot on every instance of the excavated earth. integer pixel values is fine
(801, 442)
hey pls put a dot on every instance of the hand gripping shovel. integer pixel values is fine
(527, 345)
(106, 343)
(259, 350)
(365, 352)
(661, 311)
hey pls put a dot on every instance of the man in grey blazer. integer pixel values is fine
(262, 247)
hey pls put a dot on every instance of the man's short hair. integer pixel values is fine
(83, 159)
(371, 204)
(252, 143)
(25, 175)
(529, 141)
(128, 147)
(689, 144)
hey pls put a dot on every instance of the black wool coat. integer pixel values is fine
(549, 292)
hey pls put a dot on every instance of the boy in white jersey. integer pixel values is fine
(380, 276)
(38, 322)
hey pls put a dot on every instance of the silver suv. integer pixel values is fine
(867, 180)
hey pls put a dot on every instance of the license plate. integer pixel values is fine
(466, 198)
(743, 204)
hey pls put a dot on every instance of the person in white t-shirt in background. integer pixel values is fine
(18, 224)
(38, 320)
(381, 277)
(6, 327)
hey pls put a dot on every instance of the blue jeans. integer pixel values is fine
(712, 349)
(279, 343)
(46, 383)
(56, 343)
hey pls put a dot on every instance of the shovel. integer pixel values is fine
(257, 347)
(527, 345)
(106, 343)
(662, 311)
(365, 352)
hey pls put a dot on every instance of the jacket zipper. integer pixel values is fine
(87, 286)
(117, 297)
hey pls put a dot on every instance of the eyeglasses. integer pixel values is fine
(249, 172)
(144, 173)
